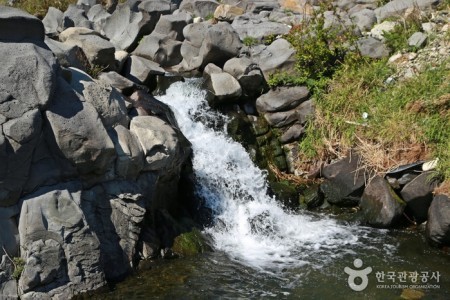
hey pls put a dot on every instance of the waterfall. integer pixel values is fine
(250, 226)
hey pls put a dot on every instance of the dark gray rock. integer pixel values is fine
(418, 39)
(79, 132)
(124, 85)
(200, 8)
(373, 48)
(9, 235)
(344, 182)
(248, 74)
(52, 21)
(438, 225)
(59, 249)
(418, 195)
(17, 25)
(160, 48)
(282, 99)
(380, 205)
(75, 17)
(142, 71)
(224, 87)
(299, 114)
(398, 7)
(125, 28)
(293, 133)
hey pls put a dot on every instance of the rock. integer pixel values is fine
(438, 225)
(344, 182)
(8, 289)
(109, 103)
(68, 55)
(17, 26)
(9, 235)
(364, 19)
(299, 114)
(380, 206)
(282, 99)
(227, 13)
(417, 40)
(125, 28)
(124, 85)
(142, 71)
(156, 8)
(201, 8)
(59, 249)
(418, 195)
(190, 243)
(172, 25)
(115, 211)
(121, 58)
(78, 132)
(248, 74)
(130, 157)
(75, 17)
(158, 140)
(97, 14)
(379, 29)
(292, 134)
(77, 79)
(277, 57)
(52, 21)
(160, 48)
(398, 7)
(224, 87)
(211, 69)
(429, 27)
(247, 26)
(372, 48)
(99, 52)
(218, 43)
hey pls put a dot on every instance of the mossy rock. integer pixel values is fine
(311, 197)
(285, 192)
(190, 243)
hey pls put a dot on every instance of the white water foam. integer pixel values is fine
(251, 226)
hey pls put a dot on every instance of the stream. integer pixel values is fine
(262, 249)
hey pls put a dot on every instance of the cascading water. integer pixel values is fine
(250, 226)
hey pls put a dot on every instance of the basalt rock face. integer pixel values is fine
(80, 177)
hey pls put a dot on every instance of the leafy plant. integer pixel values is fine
(250, 41)
(19, 265)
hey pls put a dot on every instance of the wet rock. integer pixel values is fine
(190, 243)
(372, 48)
(418, 39)
(312, 197)
(380, 205)
(282, 99)
(418, 195)
(438, 225)
(224, 87)
(17, 25)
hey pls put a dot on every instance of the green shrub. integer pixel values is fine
(39, 7)
(250, 41)
(19, 265)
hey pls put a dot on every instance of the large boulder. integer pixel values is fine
(373, 48)
(124, 85)
(98, 51)
(158, 140)
(224, 87)
(344, 182)
(9, 235)
(282, 99)
(249, 26)
(248, 74)
(277, 57)
(142, 71)
(61, 253)
(200, 8)
(75, 17)
(68, 55)
(364, 19)
(125, 28)
(53, 21)
(438, 225)
(226, 12)
(380, 205)
(398, 7)
(206, 44)
(172, 25)
(17, 25)
(300, 114)
(78, 132)
(418, 195)
(160, 48)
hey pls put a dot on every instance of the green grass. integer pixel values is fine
(250, 41)
(39, 7)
